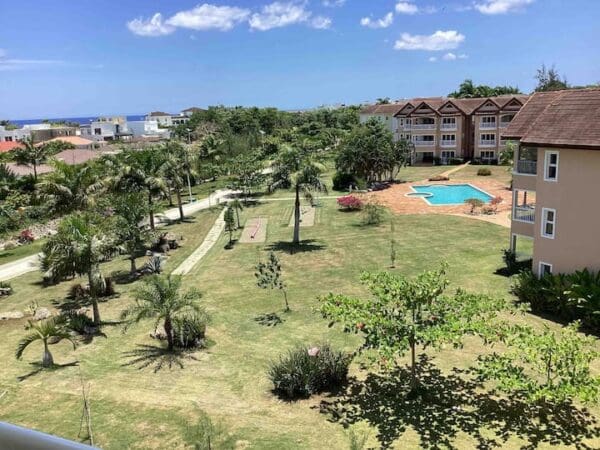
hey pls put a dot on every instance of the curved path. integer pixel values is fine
(32, 263)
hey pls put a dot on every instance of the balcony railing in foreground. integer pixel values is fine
(18, 438)
(524, 213)
(527, 167)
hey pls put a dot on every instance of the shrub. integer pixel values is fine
(78, 322)
(373, 214)
(5, 289)
(474, 203)
(343, 181)
(26, 237)
(154, 265)
(304, 371)
(78, 291)
(439, 178)
(189, 330)
(484, 172)
(350, 202)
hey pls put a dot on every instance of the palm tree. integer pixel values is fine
(29, 153)
(138, 171)
(43, 331)
(237, 206)
(131, 211)
(159, 298)
(174, 169)
(81, 243)
(69, 186)
(297, 167)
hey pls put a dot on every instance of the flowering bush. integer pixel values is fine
(350, 202)
(26, 237)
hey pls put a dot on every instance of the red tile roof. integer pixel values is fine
(568, 118)
(8, 146)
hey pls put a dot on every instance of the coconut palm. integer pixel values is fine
(44, 331)
(298, 168)
(68, 186)
(36, 154)
(131, 210)
(159, 298)
(175, 169)
(82, 242)
(237, 206)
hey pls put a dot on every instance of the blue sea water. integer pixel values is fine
(79, 120)
(452, 194)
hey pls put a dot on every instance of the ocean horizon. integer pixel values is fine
(79, 120)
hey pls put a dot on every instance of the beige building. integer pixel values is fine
(443, 129)
(556, 179)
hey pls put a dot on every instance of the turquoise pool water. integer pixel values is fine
(451, 194)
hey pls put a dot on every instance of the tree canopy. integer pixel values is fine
(468, 89)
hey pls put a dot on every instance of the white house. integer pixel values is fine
(147, 129)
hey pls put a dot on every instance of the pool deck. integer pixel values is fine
(395, 199)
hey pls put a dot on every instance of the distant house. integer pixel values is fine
(71, 157)
(189, 111)
(77, 141)
(167, 120)
(108, 129)
(8, 146)
(556, 179)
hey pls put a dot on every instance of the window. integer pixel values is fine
(449, 120)
(545, 269)
(97, 131)
(487, 139)
(448, 154)
(448, 138)
(487, 154)
(548, 222)
(488, 122)
(551, 166)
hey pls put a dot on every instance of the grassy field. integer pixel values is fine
(502, 174)
(7, 256)
(135, 407)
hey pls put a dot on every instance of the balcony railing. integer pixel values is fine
(487, 143)
(448, 126)
(527, 167)
(407, 126)
(504, 124)
(448, 143)
(424, 143)
(524, 213)
(487, 125)
(423, 126)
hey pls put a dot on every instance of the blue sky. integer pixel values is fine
(64, 58)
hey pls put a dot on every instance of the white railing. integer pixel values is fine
(407, 126)
(487, 125)
(527, 167)
(423, 126)
(18, 438)
(487, 143)
(448, 143)
(448, 126)
(424, 143)
(524, 213)
(504, 124)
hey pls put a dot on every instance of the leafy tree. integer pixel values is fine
(469, 90)
(229, 223)
(237, 206)
(542, 367)
(34, 154)
(131, 210)
(68, 187)
(159, 298)
(370, 153)
(248, 170)
(81, 243)
(404, 314)
(297, 166)
(383, 101)
(549, 80)
(392, 244)
(474, 203)
(7, 180)
(269, 276)
(44, 331)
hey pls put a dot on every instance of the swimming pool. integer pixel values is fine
(449, 194)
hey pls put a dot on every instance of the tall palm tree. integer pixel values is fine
(69, 186)
(131, 211)
(159, 298)
(138, 171)
(297, 167)
(237, 206)
(43, 331)
(174, 169)
(29, 153)
(82, 242)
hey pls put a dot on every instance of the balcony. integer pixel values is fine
(504, 124)
(487, 143)
(424, 143)
(526, 167)
(524, 213)
(423, 126)
(448, 144)
(448, 126)
(407, 127)
(487, 126)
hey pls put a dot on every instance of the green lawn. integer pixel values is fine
(502, 174)
(7, 256)
(138, 408)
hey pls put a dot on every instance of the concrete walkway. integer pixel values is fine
(209, 241)
(447, 173)
(31, 263)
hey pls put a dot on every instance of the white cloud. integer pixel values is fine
(320, 23)
(333, 3)
(384, 22)
(449, 56)
(281, 14)
(18, 64)
(501, 6)
(440, 40)
(432, 58)
(209, 17)
(153, 26)
(406, 8)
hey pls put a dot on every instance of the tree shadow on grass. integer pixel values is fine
(269, 319)
(159, 357)
(307, 245)
(39, 368)
(449, 406)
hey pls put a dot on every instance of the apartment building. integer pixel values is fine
(556, 179)
(444, 129)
